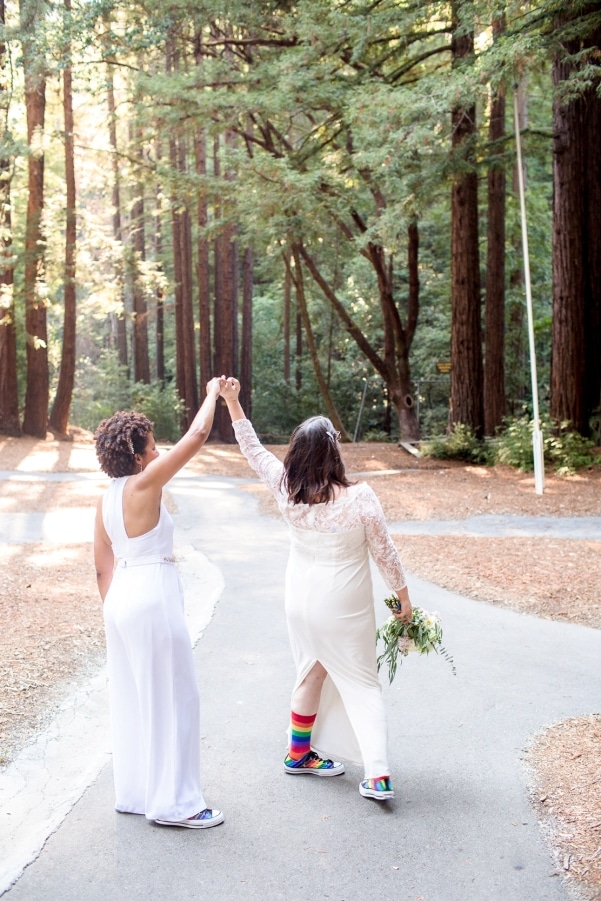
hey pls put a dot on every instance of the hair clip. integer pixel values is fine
(130, 445)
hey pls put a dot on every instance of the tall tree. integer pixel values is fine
(203, 262)
(203, 276)
(59, 416)
(121, 315)
(182, 273)
(576, 232)
(592, 331)
(35, 419)
(160, 294)
(226, 292)
(516, 339)
(246, 354)
(9, 395)
(287, 297)
(494, 359)
(467, 402)
(187, 384)
(393, 364)
(297, 278)
(138, 240)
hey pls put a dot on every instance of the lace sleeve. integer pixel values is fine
(381, 545)
(265, 464)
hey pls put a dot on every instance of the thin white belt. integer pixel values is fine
(144, 561)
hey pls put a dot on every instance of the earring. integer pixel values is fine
(141, 469)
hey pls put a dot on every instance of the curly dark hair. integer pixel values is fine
(118, 439)
(313, 465)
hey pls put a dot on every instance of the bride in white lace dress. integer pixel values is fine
(337, 706)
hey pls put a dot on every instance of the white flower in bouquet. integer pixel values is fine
(422, 635)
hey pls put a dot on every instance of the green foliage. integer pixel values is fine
(376, 435)
(103, 388)
(514, 444)
(564, 449)
(279, 406)
(569, 451)
(163, 406)
(460, 444)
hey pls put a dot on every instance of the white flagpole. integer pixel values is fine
(537, 435)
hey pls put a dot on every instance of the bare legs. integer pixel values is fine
(305, 699)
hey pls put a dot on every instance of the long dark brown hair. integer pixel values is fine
(313, 466)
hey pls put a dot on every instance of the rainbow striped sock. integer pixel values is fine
(300, 735)
(380, 784)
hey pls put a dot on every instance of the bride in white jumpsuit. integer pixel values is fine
(154, 699)
(329, 605)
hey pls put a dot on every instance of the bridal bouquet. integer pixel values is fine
(423, 634)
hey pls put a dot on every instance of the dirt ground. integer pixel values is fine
(51, 631)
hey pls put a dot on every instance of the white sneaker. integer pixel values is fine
(203, 820)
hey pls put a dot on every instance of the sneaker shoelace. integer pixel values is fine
(205, 814)
(311, 761)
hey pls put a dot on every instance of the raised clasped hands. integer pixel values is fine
(229, 387)
(213, 387)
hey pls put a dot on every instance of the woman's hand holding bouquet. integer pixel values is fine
(423, 634)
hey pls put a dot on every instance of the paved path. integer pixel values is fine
(507, 526)
(460, 829)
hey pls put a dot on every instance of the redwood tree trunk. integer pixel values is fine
(203, 266)
(494, 360)
(592, 251)
(187, 384)
(246, 352)
(184, 320)
(121, 317)
(569, 184)
(9, 395)
(189, 349)
(226, 308)
(202, 249)
(408, 421)
(160, 296)
(467, 404)
(226, 337)
(287, 311)
(138, 238)
(35, 418)
(59, 417)
(516, 363)
(298, 350)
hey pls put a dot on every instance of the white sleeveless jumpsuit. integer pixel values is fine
(154, 700)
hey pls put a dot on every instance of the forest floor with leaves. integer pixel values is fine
(52, 634)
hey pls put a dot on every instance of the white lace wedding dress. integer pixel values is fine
(330, 609)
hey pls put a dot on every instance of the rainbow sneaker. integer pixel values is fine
(381, 788)
(314, 765)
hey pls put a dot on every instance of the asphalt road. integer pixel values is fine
(460, 828)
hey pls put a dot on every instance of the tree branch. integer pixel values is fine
(350, 325)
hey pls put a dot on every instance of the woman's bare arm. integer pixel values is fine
(104, 557)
